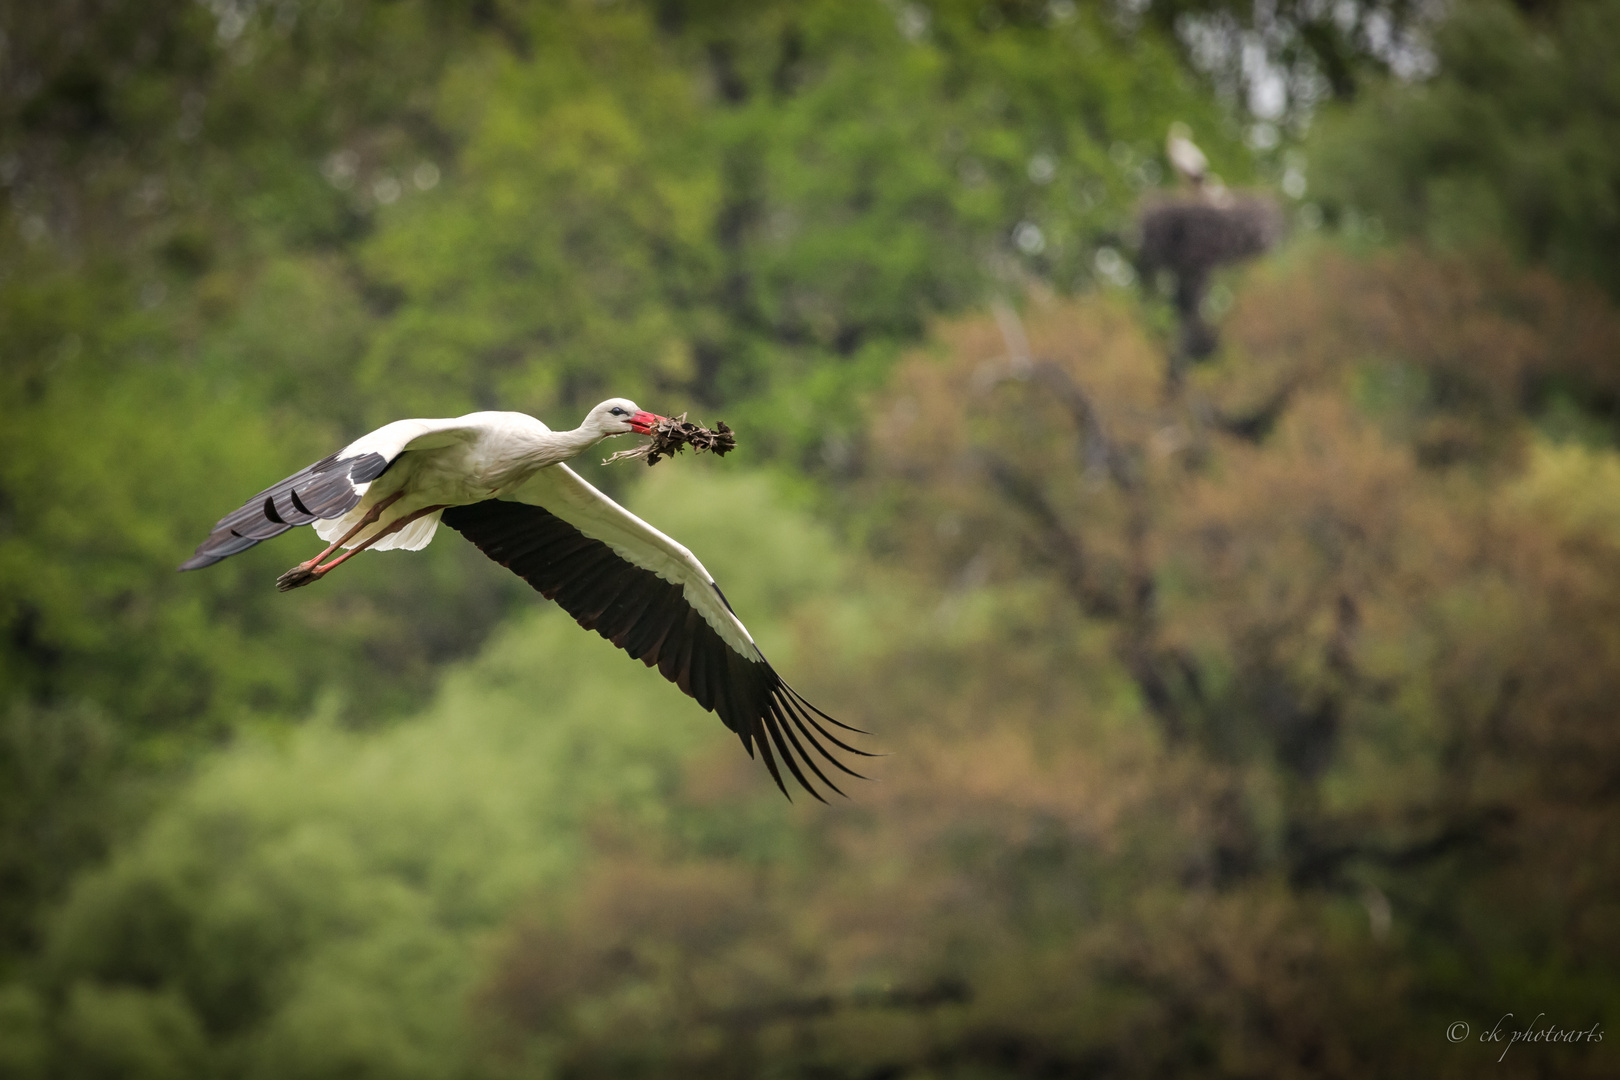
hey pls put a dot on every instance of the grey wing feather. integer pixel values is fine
(326, 489)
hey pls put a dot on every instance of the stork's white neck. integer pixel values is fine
(554, 447)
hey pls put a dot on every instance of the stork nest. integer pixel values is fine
(1194, 234)
(671, 436)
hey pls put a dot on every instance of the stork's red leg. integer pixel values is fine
(303, 574)
(369, 518)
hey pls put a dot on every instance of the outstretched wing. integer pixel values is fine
(329, 488)
(650, 596)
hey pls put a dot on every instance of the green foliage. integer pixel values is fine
(60, 769)
(534, 276)
(760, 202)
(310, 904)
(235, 236)
(1512, 142)
(1257, 725)
(161, 178)
(1316, 51)
(1343, 781)
(129, 1033)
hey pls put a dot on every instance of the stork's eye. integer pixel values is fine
(617, 411)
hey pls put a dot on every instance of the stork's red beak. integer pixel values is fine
(643, 422)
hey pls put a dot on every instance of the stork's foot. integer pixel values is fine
(302, 574)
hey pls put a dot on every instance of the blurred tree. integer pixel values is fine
(176, 331)
(1512, 141)
(725, 202)
(238, 234)
(1284, 58)
(1339, 622)
(1242, 715)
(318, 903)
(1258, 730)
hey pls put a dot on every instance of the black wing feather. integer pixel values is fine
(650, 619)
(650, 628)
(808, 759)
(325, 489)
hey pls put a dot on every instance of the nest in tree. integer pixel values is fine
(1192, 236)
(671, 435)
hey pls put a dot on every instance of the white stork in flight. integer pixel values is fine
(498, 478)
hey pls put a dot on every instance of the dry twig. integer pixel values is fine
(671, 435)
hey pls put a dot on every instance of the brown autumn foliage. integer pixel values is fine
(1259, 727)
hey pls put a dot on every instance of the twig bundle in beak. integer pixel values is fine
(671, 434)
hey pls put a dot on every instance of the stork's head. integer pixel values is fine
(620, 416)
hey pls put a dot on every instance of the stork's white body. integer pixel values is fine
(452, 462)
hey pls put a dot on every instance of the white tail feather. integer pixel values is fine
(329, 529)
(413, 537)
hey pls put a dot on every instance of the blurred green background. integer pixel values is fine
(1256, 723)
